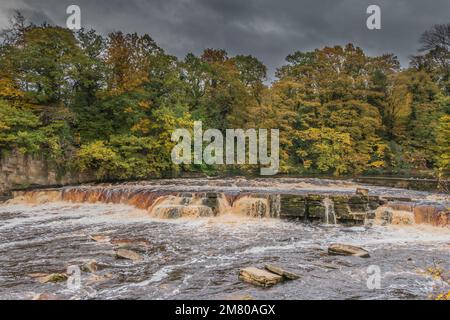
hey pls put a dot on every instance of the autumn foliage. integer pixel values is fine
(108, 105)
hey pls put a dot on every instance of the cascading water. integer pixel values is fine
(330, 215)
(255, 199)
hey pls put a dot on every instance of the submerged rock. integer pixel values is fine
(362, 192)
(196, 211)
(284, 273)
(99, 238)
(45, 296)
(347, 250)
(168, 211)
(54, 277)
(259, 277)
(93, 279)
(129, 242)
(128, 254)
(90, 266)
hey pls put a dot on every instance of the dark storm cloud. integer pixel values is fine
(269, 30)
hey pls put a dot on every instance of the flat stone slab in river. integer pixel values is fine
(284, 273)
(99, 278)
(54, 277)
(45, 296)
(90, 266)
(128, 254)
(362, 191)
(347, 250)
(99, 238)
(259, 277)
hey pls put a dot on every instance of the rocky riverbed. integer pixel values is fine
(124, 252)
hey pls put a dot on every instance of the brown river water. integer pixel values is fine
(199, 258)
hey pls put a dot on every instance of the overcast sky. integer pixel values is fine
(267, 29)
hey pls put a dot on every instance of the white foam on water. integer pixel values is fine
(156, 277)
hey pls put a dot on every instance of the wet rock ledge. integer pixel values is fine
(342, 209)
(347, 209)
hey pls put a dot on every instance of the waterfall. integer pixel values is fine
(163, 200)
(224, 203)
(330, 215)
(165, 204)
(275, 206)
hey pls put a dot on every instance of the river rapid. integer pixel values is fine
(199, 258)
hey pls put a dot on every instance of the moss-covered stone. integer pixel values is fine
(54, 277)
(315, 210)
(292, 206)
(358, 207)
(357, 199)
(373, 205)
(340, 199)
(341, 210)
(314, 197)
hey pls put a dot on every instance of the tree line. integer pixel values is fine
(108, 104)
